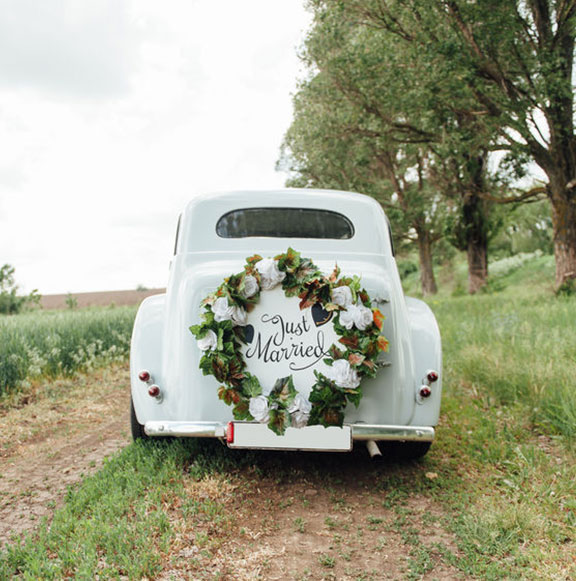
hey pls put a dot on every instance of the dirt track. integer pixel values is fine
(52, 442)
(312, 526)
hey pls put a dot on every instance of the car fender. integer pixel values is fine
(146, 354)
(427, 356)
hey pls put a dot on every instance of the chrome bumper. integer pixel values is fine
(360, 432)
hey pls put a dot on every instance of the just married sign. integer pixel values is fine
(283, 340)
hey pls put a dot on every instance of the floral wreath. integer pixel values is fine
(223, 330)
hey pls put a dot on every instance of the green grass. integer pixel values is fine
(61, 343)
(112, 524)
(515, 351)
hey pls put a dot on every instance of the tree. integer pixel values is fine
(371, 115)
(10, 301)
(515, 60)
(333, 144)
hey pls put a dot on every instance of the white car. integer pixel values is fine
(284, 326)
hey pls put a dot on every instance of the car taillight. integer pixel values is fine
(432, 376)
(425, 391)
(230, 433)
(144, 376)
(154, 391)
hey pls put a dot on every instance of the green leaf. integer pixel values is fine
(283, 392)
(251, 386)
(241, 410)
(279, 421)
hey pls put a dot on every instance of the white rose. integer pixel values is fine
(356, 315)
(239, 316)
(300, 403)
(258, 408)
(342, 295)
(343, 375)
(222, 310)
(208, 342)
(270, 275)
(363, 317)
(300, 419)
(250, 286)
(347, 316)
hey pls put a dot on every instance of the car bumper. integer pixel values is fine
(294, 438)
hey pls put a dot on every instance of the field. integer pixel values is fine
(61, 343)
(494, 498)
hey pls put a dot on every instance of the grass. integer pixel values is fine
(496, 493)
(515, 352)
(61, 343)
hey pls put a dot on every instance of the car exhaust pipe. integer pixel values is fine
(373, 450)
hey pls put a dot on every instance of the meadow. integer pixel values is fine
(61, 343)
(497, 487)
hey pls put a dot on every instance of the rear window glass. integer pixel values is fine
(284, 223)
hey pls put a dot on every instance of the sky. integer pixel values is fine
(115, 113)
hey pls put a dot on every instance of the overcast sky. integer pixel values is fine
(114, 113)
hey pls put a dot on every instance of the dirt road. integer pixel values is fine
(53, 441)
(335, 519)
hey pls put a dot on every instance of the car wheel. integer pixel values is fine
(408, 450)
(136, 428)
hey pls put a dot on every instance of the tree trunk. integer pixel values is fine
(564, 221)
(427, 279)
(476, 232)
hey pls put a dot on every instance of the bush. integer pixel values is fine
(10, 302)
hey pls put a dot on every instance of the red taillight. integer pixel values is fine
(230, 433)
(432, 376)
(153, 391)
(425, 391)
(144, 375)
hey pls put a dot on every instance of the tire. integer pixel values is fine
(404, 451)
(136, 428)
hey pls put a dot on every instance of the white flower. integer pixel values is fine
(224, 312)
(356, 315)
(343, 375)
(208, 342)
(364, 317)
(239, 316)
(300, 419)
(270, 275)
(300, 411)
(300, 403)
(342, 295)
(250, 286)
(258, 408)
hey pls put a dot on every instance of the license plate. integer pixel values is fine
(311, 438)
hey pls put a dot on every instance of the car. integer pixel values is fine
(284, 326)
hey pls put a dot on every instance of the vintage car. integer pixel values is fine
(284, 326)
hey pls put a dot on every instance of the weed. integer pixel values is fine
(327, 561)
(299, 524)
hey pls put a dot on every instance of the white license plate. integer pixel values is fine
(312, 438)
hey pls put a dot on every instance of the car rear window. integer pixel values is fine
(284, 223)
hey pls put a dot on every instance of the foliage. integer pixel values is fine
(224, 359)
(71, 301)
(527, 228)
(509, 65)
(10, 302)
(383, 116)
(61, 343)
